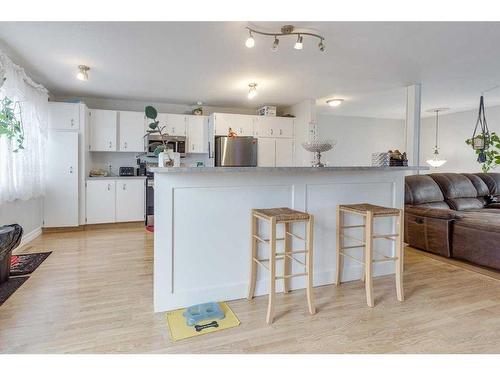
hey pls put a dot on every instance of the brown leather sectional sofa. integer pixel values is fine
(455, 215)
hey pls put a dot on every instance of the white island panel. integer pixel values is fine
(202, 225)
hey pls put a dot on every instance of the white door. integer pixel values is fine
(176, 124)
(100, 201)
(64, 116)
(284, 152)
(61, 196)
(103, 130)
(131, 131)
(266, 152)
(197, 134)
(243, 125)
(130, 200)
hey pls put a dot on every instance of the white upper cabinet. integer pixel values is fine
(64, 116)
(277, 127)
(131, 131)
(266, 152)
(284, 152)
(103, 133)
(243, 125)
(176, 124)
(197, 134)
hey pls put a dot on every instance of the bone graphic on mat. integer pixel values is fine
(200, 327)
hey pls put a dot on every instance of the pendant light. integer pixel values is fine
(252, 90)
(481, 136)
(83, 73)
(436, 160)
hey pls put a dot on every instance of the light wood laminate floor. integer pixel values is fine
(94, 295)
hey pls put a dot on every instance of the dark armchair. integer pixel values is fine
(10, 238)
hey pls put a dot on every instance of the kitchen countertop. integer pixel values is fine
(115, 177)
(280, 169)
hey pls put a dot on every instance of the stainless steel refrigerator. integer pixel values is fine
(235, 152)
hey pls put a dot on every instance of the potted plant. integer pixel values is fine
(164, 160)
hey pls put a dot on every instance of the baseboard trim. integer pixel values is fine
(125, 225)
(27, 238)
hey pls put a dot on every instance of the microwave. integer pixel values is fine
(175, 143)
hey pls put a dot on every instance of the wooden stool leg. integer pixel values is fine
(272, 272)
(368, 259)
(400, 256)
(364, 240)
(309, 263)
(339, 258)
(287, 260)
(253, 255)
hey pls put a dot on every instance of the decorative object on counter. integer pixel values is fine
(98, 173)
(267, 110)
(231, 133)
(198, 110)
(203, 311)
(318, 147)
(380, 159)
(11, 124)
(179, 330)
(164, 159)
(398, 159)
(436, 161)
(286, 30)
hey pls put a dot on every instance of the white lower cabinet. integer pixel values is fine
(130, 196)
(275, 152)
(114, 201)
(101, 201)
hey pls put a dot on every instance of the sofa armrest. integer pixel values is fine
(433, 213)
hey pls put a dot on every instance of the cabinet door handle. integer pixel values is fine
(71, 170)
(272, 132)
(110, 144)
(241, 130)
(125, 145)
(72, 122)
(192, 147)
(109, 187)
(124, 187)
(281, 132)
(173, 130)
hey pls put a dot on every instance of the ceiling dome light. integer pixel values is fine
(334, 102)
(274, 48)
(250, 42)
(83, 73)
(321, 46)
(298, 43)
(252, 90)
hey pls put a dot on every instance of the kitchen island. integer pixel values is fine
(202, 224)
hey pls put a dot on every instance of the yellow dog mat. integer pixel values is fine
(179, 330)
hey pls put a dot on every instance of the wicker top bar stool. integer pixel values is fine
(285, 216)
(369, 212)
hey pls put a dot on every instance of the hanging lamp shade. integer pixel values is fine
(436, 160)
(481, 135)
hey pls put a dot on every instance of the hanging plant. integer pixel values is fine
(11, 125)
(491, 156)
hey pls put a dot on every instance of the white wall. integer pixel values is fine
(28, 214)
(358, 137)
(454, 129)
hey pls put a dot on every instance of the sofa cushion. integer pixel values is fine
(481, 187)
(458, 191)
(422, 189)
(492, 181)
(484, 220)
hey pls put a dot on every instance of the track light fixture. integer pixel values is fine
(252, 90)
(286, 30)
(83, 73)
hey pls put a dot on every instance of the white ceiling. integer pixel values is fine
(367, 63)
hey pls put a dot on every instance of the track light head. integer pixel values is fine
(276, 42)
(250, 42)
(83, 73)
(298, 43)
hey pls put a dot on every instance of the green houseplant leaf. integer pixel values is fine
(151, 112)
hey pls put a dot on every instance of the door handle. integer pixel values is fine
(71, 170)
(109, 187)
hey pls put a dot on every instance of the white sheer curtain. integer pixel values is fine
(22, 173)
